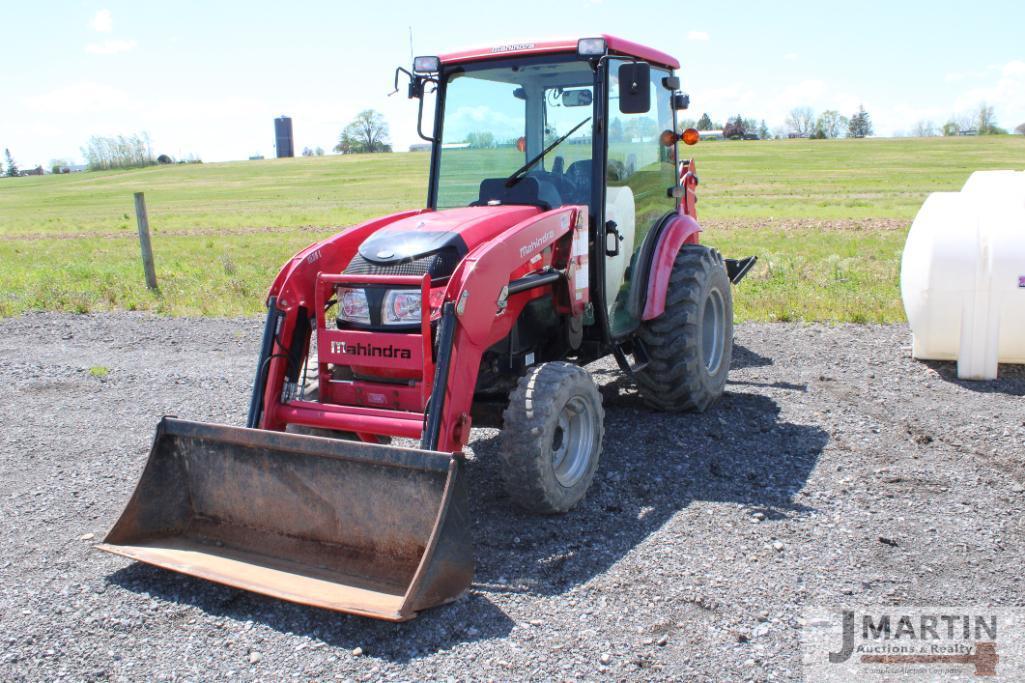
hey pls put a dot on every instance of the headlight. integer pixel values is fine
(401, 306)
(353, 305)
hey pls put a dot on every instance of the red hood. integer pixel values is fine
(461, 229)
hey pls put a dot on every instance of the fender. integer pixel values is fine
(677, 230)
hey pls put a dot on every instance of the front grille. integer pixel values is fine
(437, 265)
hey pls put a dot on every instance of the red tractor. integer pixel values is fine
(560, 227)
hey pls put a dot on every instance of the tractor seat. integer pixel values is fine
(529, 190)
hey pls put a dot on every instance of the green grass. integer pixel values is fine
(221, 231)
(99, 371)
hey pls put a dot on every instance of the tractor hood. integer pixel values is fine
(434, 242)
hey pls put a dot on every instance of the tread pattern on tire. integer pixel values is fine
(531, 407)
(676, 378)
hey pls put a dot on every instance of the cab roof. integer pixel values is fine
(616, 46)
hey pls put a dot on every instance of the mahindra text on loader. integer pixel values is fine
(560, 227)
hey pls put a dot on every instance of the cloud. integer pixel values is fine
(698, 36)
(102, 21)
(84, 97)
(110, 47)
(791, 56)
(1006, 95)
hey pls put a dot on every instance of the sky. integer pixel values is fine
(207, 78)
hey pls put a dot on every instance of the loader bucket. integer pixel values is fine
(362, 528)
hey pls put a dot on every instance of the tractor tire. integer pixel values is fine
(690, 345)
(551, 438)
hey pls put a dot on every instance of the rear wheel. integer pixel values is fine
(552, 437)
(690, 345)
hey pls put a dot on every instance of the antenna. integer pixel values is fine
(410, 43)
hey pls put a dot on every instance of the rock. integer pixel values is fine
(758, 516)
(777, 546)
(87, 537)
(661, 642)
(605, 658)
(357, 652)
(255, 657)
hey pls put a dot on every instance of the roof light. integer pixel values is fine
(426, 65)
(591, 47)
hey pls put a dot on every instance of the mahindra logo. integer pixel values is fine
(537, 244)
(369, 350)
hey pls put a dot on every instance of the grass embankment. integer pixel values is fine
(827, 219)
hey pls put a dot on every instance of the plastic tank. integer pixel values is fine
(962, 275)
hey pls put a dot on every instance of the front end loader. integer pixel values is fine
(560, 228)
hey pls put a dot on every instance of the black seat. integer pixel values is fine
(529, 190)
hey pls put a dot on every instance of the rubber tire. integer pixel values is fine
(526, 440)
(676, 378)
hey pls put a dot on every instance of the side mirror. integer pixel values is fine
(634, 88)
(681, 101)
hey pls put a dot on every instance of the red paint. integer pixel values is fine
(617, 46)
(504, 243)
(681, 230)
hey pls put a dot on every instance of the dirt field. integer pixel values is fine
(835, 471)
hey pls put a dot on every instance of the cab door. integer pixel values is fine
(639, 177)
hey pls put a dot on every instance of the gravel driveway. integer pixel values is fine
(835, 471)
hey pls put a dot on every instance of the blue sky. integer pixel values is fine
(207, 78)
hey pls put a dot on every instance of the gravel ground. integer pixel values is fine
(835, 471)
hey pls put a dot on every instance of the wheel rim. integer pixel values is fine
(713, 331)
(573, 441)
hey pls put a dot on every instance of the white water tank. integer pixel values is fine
(962, 275)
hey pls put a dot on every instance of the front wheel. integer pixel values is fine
(552, 437)
(690, 346)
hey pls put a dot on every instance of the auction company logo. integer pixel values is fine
(900, 643)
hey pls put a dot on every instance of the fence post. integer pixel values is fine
(147, 249)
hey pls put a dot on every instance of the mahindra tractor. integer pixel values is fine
(560, 227)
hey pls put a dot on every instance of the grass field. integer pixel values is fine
(827, 218)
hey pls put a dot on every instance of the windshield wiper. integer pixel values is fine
(517, 176)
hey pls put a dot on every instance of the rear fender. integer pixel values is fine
(677, 230)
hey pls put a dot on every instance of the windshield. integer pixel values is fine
(498, 118)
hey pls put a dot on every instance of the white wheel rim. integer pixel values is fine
(573, 440)
(713, 331)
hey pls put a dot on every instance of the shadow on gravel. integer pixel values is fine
(469, 619)
(744, 357)
(1010, 378)
(654, 465)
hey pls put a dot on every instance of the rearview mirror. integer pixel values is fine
(576, 98)
(634, 88)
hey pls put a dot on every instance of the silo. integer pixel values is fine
(283, 137)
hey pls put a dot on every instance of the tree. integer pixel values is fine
(705, 122)
(830, 124)
(483, 139)
(307, 151)
(367, 133)
(763, 131)
(985, 119)
(319, 151)
(105, 153)
(801, 121)
(734, 128)
(924, 129)
(860, 125)
(12, 168)
(1020, 129)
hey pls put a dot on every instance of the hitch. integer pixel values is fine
(736, 269)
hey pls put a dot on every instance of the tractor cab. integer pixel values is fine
(589, 122)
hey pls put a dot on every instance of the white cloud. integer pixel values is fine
(102, 21)
(698, 36)
(1006, 95)
(110, 47)
(84, 97)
